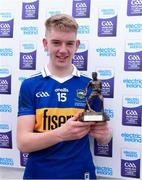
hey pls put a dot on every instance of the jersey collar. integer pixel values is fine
(45, 71)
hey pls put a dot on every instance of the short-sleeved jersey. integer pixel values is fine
(53, 103)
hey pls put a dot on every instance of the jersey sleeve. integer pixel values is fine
(26, 105)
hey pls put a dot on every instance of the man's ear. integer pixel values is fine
(77, 44)
(44, 41)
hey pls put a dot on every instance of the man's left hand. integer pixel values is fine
(101, 132)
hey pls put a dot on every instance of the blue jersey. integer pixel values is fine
(53, 103)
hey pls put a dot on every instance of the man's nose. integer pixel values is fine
(63, 48)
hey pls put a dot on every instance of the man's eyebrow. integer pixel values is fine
(56, 40)
(71, 41)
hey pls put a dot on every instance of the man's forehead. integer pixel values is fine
(61, 36)
(55, 31)
(56, 39)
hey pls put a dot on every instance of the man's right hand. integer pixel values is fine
(74, 129)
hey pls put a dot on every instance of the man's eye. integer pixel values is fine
(70, 44)
(55, 42)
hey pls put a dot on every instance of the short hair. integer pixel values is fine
(61, 22)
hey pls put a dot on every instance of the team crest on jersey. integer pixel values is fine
(80, 93)
(80, 98)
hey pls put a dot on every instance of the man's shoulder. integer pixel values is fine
(35, 78)
(85, 77)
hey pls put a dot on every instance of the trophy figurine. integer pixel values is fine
(94, 108)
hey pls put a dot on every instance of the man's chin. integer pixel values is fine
(63, 64)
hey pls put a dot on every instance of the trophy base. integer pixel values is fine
(94, 117)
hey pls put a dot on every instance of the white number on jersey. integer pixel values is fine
(61, 96)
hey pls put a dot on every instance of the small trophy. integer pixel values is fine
(94, 109)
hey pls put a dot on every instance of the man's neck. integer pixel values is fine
(60, 72)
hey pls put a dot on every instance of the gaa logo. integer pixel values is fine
(78, 57)
(3, 137)
(107, 23)
(131, 113)
(30, 7)
(129, 165)
(3, 82)
(42, 94)
(4, 26)
(25, 155)
(136, 2)
(134, 57)
(27, 57)
(105, 85)
(80, 5)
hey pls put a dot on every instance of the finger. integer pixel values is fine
(98, 129)
(99, 126)
(76, 117)
(84, 124)
(101, 123)
(83, 133)
(86, 128)
(77, 132)
(97, 134)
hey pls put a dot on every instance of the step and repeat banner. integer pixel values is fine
(111, 44)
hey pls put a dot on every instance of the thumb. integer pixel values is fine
(76, 117)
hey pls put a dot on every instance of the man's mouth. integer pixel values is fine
(62, 58)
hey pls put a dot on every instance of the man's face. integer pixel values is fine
(61, 47)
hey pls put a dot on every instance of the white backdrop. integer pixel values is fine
(111, 44)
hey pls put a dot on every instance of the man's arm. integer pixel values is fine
(29, 141)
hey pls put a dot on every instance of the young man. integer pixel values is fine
(50, 105)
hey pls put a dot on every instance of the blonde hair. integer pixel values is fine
(61, 22)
